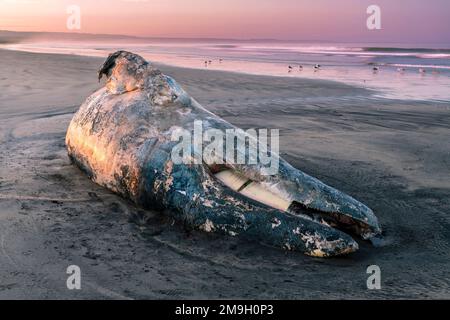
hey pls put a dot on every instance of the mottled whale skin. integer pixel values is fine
(122, 138)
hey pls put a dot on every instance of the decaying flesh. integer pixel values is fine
(121, 137)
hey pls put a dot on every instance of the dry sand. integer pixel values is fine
(393, 155)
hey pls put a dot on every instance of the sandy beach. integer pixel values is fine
(393, 155)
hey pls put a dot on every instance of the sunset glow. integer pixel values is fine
(403, 20)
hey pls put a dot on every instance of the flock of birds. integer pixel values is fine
(318, 67)
(403, 70)
(300, 67)
(208, 62)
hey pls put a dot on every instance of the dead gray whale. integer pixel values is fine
(122, 138)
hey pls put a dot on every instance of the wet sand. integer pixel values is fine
(393, 155)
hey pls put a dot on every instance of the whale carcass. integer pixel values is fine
(122, 137)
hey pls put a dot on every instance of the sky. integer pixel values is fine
(404, 21)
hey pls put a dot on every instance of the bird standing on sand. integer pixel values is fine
(422, 70)
(375, 69)
(401, 70)
(317, 67)
(300, 68)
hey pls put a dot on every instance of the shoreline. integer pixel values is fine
(390, 154)
(162, 64)
(388, 83)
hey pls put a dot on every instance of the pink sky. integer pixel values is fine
(414, 21)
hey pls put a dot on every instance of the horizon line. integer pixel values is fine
(142, 37)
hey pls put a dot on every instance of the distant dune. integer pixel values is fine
(12, 37)
(16, 36)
